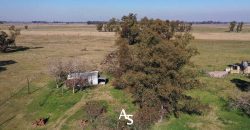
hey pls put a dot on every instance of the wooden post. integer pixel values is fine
(57, 82)
(62, 90)
(28, 85)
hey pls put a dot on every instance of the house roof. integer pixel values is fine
(83, 74)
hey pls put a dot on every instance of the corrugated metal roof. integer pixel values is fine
(83, 74)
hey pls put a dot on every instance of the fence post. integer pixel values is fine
(28, 85)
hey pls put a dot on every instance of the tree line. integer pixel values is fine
(153, 64)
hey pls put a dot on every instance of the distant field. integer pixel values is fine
(18, 110)
(46, 44)
(218, 32)
(217, 28)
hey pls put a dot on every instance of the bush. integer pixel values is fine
(242, 103)
(18, 31)
(77, 83)
(193, 106)
(94, 109)
(119, 84)
(12, 27)
(26, 27)
(145, 117)
(99, 27)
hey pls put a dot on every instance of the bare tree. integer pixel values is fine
(57, 70)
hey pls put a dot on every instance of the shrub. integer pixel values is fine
(99, 27)
(193, 106)
(242, 103)
(145, 117)
(26, 27)
(77, 83)
(12, 27)
(94, 109)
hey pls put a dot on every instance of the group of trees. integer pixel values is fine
(233, 25)
(8, 38)
(153, 63)
(96, 22)
(112, 25)
(210, 22)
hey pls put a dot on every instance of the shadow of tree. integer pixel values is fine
(5, 63)
(2, 68)
(20, 48)
(241, 84)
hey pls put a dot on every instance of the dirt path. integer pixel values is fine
(102, 95)
(61, 120)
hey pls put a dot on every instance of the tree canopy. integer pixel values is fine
(151, 63)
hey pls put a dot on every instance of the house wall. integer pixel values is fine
(93, 79)
(233, 71)
(247, 70)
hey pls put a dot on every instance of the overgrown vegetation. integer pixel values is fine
(152, 63)
(94, 109)
(113, 25)
(242, 103)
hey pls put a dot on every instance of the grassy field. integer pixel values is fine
(44, 43)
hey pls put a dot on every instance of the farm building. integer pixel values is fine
(233, 69)
(244, 68)
(92, 77)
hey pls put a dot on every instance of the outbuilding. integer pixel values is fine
(92, 77)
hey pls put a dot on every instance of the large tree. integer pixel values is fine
(241, 26)
(99, 27)
(232, 26)
(152, 62)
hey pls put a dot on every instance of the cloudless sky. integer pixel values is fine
(84, 10)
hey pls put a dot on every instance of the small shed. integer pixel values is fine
(246, 67)
(92, 77)
(234, 69)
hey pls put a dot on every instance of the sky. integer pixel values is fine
(85, 10)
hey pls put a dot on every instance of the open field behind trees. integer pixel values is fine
(46, 42)
(91, 47)
(44, 45)
(218, 32)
